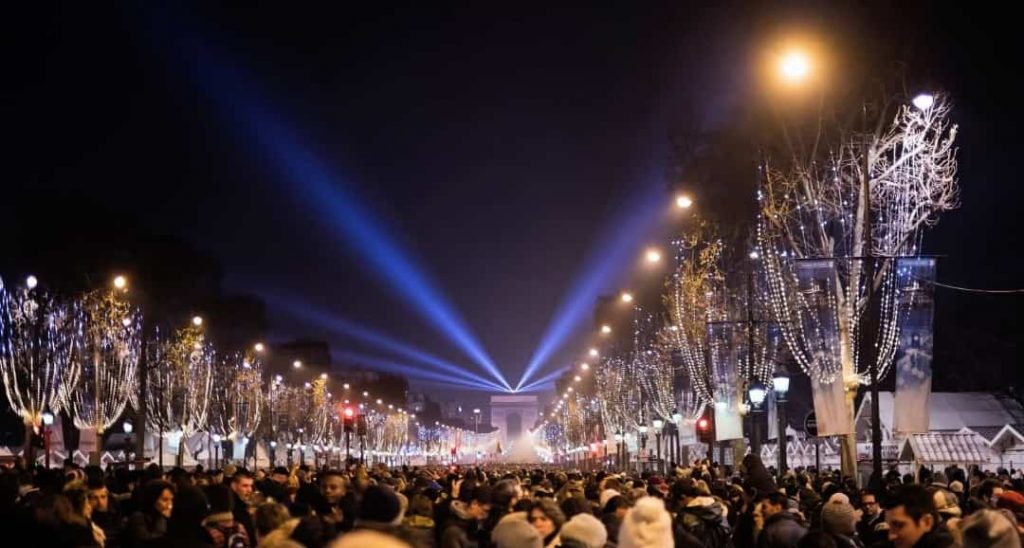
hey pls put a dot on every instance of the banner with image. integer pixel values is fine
(916, 302)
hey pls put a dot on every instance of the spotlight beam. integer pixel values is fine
(415, 372)
(609, 258)
(543, 381)
(365, 334)
(327, 194)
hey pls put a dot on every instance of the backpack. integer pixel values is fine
(233, 536)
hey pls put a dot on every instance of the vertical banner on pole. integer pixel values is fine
(816, 284)
(728, 422)
(916, 306)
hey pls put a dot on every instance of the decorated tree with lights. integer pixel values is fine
(109, 341)
(856, 194)
(236, 405)
(38, 342)
(692, 300)
(180, 384)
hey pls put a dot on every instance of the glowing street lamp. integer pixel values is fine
(627, 297)
(120, 282)
(197, 321)
(684, 202)
(259, 347)
(652, 256)
(31, 282)
(794, 66)
(297, 364)
(606, 329)
(924, 101)
(594, 353)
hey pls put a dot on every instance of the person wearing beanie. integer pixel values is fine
(647, 525)
(380, 510)
(839, 521)
(548, 518)
(585, 530)
(514, 531)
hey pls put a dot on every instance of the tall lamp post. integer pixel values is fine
(780, 383)
(643, 446)
(677, 420)
(127, 426)
(618, 450)
(757, 394)
(216, 450)
(658, 425)
(47, 423)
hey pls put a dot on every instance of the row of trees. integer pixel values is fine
(814, 283)
(82, 355)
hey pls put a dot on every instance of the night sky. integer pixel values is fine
(500, 147)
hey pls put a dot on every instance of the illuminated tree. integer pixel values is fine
(236, 406)
(816, 210)
(180, 382)
(38, 337)
(109, 342)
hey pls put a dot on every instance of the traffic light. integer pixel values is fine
(349, 419)
(704, 434)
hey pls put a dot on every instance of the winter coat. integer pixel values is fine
(781, 530)
(143, 529)
(460, 529)
(418, 531)
(935, 539)
(704, 518)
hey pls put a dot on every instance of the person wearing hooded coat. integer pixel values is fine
(703, 517)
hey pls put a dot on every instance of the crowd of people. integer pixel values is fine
(702, 505)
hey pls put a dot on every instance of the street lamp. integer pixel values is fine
(594, 353)
(684, 202)
(606, 329)
(658, 425)
(757, 394)
(120, 282)
(780, 383)
(297, 364)
(924, 101)
(47, 423)
(643, 440)
(794, 66)
(627, 297)
(653, 256)
(197, 321)
(677, 420)
(216, 450)
(618, 449)
(127, 427)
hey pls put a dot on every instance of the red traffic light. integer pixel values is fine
(702, 424)
(349, 412)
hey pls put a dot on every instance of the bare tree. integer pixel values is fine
(895, 175)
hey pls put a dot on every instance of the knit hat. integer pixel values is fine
(647, 525)
(513, 531)
(956, 486)
(838, 517)
(380, 505)
(606, 496)
(586, 529)
(1014, 502)
(946, 503)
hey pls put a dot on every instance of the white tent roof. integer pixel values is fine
(965, 446)
(950, 412)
